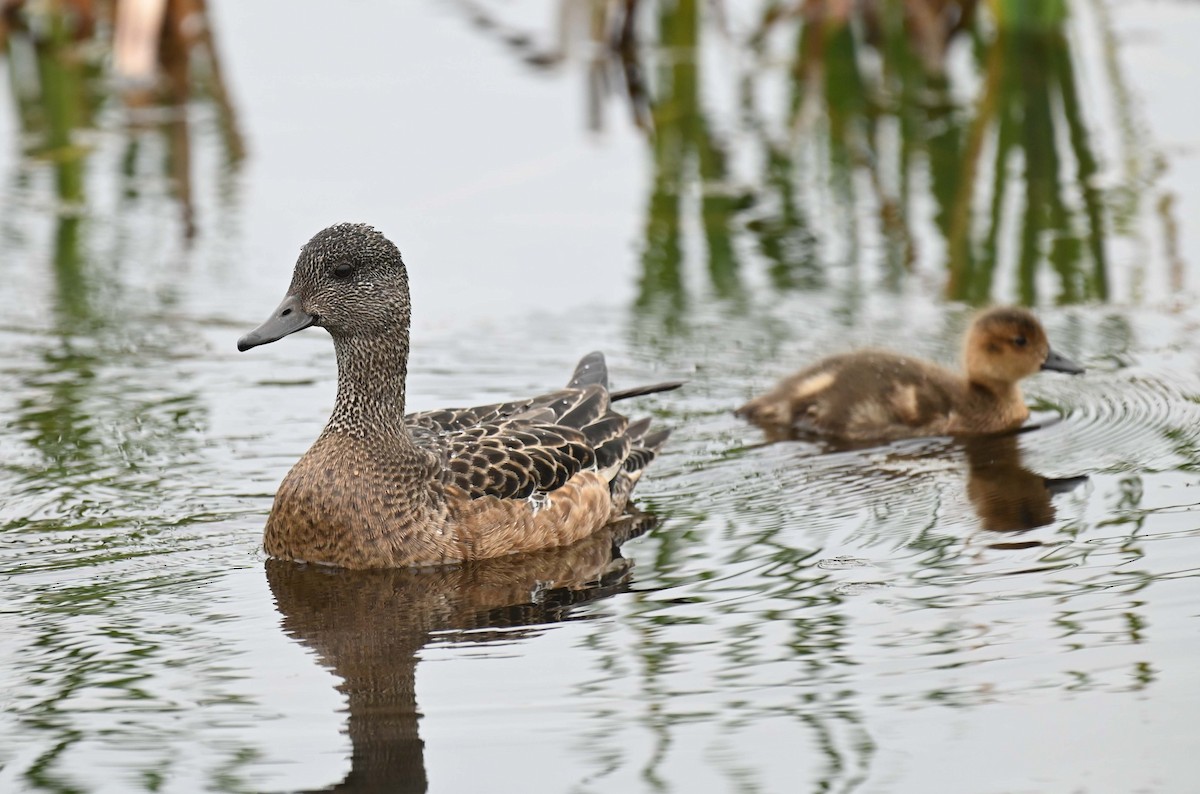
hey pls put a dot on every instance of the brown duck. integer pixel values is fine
(379, 489)
(878, 395)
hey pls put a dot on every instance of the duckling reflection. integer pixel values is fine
(1006, 496)
(368, 627)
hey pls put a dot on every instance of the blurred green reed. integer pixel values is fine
(84, 423)
(55, 96)
(685, 149)
(893, 112)
(57, 55)
(875, 105)
(968, 113)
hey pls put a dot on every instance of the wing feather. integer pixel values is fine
(517, 449)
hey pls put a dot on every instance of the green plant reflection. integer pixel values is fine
(95, 437)
(945, 135)
(54, 54)
(73, 410)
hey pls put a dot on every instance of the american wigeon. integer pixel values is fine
(379, 489)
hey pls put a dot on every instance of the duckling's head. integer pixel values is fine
(1007, 344)
(350, 280)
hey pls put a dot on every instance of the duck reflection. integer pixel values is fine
(368, 627)
(1006, 496)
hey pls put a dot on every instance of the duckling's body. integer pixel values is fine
(379, 489)
(879, 395)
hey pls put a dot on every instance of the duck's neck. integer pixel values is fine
(370, 394)
(1003, 395)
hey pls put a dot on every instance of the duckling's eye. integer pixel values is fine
(343, 270)
(1020, 341)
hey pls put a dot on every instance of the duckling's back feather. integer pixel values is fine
(868, 394)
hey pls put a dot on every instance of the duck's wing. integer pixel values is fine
(451, 419)
(518, 449)
(511, 460)
(590, 371)
(534, 451)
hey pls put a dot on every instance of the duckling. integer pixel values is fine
(879, 395)
(379, 489)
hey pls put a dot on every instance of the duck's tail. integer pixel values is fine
(624, 448)
(638, 391)
(593, 369)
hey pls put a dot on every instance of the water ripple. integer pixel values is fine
(1134, 418)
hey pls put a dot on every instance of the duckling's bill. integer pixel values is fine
(288, 318)
(1060, 363)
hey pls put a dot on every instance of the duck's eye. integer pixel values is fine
(343, 270)
(1020, 341)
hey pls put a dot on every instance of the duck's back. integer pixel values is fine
(866, 395)
(466, 483)
(530, 450)
(540, 472)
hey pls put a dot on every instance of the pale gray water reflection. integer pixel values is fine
(703, 201)
(369, 628)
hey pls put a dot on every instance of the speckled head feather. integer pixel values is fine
(353, 280)
(380, 489)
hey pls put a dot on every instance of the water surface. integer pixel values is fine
(720, 198)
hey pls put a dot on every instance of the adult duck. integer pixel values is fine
(379, 489)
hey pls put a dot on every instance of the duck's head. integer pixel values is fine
(1007, 344)
(350, 280)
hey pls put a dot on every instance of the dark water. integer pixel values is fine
(723, 193)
